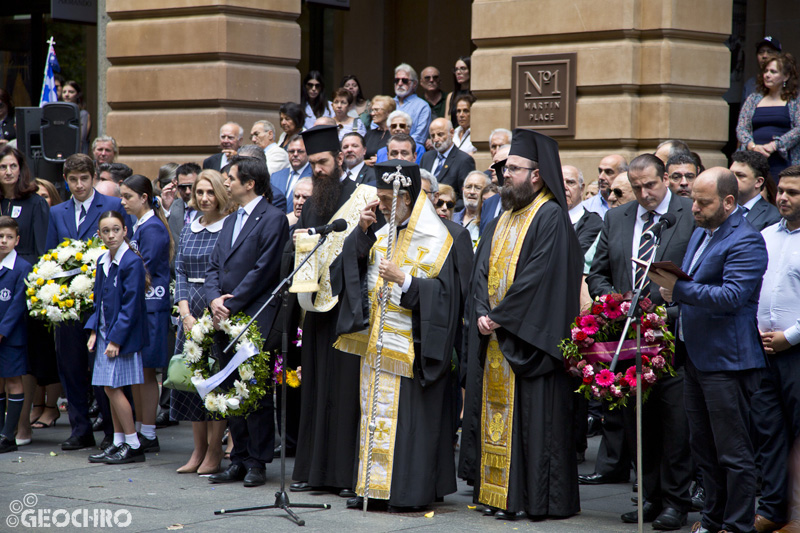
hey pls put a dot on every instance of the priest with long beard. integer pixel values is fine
(517, 440)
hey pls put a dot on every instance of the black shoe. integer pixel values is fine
(508, 515)
(489, 511)
(355, 503)
(255, 477)
(94, 409)
(107, 441)
(594, 427)
(347, 493)
(163, 421)
(276, 453)
(8, 445)
(650, 512)
(234, 472)
(600, 479)
(698, 498)
(97, 425)
(77, 443)
(300, 487)
(670, 520)
(149, 445)
(125, 454)
(102, 456)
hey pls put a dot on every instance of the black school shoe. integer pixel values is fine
(125, 454)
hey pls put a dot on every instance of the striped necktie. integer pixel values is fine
(646, 247)
(81, 217)
(440, 168)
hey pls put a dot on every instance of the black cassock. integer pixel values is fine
(327, 436)
(424, 462)
(534, 316)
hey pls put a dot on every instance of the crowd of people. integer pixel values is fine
(466, 300)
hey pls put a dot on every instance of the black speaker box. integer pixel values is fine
(29, 142)
(61, 131)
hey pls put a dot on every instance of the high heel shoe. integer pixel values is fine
(206, 471)
(38, 424)
(187, 469)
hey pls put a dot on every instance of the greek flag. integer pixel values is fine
(49, 85)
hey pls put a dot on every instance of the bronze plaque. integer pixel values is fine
(543, 93)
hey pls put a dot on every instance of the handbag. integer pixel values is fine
(179, 377)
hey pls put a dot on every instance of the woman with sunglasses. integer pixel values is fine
(312, 99)
(446, 202)
(461, 77)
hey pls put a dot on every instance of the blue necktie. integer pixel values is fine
(440, 168)
(237, 227)
(81, 217)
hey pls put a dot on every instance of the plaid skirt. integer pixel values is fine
(124, 369)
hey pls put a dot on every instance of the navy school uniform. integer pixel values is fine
(13, 312)
(71, 351)
(151, 239)
(119, 316)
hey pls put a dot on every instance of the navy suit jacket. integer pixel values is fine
(718, 308)
(488, 208)
(763, 214)
(249, 270)
(13, 307)
(124, 307)
(213, 162)
(152, 241)
(280, 179)
(62, 219)
(456, 167)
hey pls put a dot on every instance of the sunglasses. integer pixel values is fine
(313, 85)
(617, 192)
(450, 205)
(397, 126)
(430, 78)
(404, 81)
(185, 186)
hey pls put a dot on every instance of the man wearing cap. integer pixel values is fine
(766, 48)
(326, 442)
(412, 456)
(526, 284)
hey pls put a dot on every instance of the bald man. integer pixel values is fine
(608, 169)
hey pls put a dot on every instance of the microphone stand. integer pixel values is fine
(281, 497)
(635, 313)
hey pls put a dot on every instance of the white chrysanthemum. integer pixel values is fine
(47, 292)
(210, 402)
(92, 255)
(220, 403)
(54, 314)
(82, 285)
(192, 351)
(72, 314)
(246, 372)
(225, 325)
(231, 403)
(207, 322)
(241, 389)
(235, 330)
(47, 269)
(65, 254)
(197, 332)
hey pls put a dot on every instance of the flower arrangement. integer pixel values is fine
(61, 284)
(253, 382)
(293, 377)
(593, 341)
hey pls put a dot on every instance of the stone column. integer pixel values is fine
(180, 69)
(647, 71)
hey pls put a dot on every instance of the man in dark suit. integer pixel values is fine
(354, 150)
(447, 163)
(666, 456)
(751, 170)
(285, 180)
(242, 272)
(681, 171)
(230, 139)
(77, 219)
(727, 259)
(586, 223)
(180, 213)
(253, 150)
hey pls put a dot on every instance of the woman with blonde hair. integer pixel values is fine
(197, 240)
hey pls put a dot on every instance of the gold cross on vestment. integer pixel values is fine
(418, 264)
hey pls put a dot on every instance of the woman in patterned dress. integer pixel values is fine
(196, 242)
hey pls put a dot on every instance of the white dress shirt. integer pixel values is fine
(86, 204)
(779, 304)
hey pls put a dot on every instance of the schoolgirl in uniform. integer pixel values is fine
(13, 332)
(119, 331)
(152, 239)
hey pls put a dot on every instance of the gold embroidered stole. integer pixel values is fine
(315, 275)
(497, 411)
(421, 251)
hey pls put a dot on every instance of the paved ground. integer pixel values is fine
(155, 498)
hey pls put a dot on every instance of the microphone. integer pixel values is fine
(337, 225)
(667, 220)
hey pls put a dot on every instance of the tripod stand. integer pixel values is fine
(281, 497)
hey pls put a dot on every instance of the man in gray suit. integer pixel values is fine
(752, 170)
(665, 442)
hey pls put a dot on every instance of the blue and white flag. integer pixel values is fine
(49, 84)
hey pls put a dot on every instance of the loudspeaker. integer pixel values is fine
(61, 131)
(29, 142)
